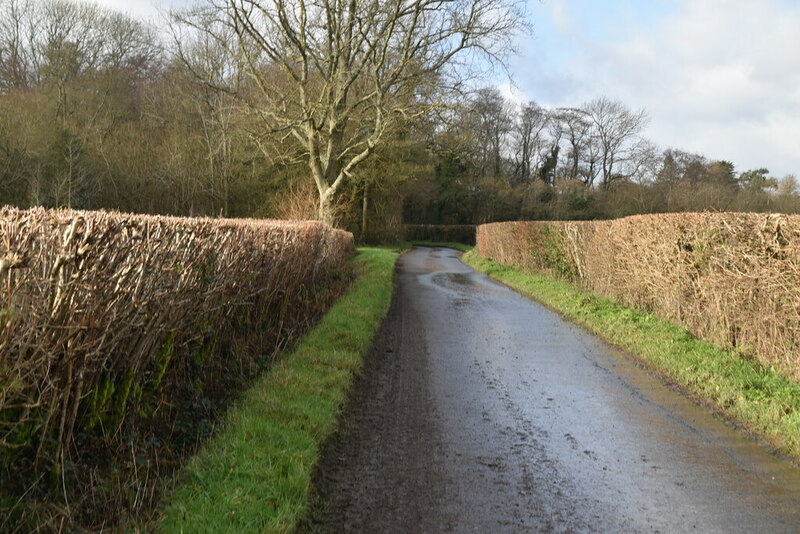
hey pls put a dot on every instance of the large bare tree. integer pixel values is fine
(616, 132)
(576, 128)
(334, 76)
(491, 114)
(528, 138)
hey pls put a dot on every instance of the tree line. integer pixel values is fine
(96, 113)
(497, 159)
(359, 113)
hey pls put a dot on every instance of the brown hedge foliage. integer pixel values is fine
(732, 278)
(121, 334)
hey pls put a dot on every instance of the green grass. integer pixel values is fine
(255, 474)
(758, 398)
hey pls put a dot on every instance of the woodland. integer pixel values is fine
(99, 110)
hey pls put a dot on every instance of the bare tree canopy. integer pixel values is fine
(336, 75)
(528, 137)
(617, 130)
(53, 40)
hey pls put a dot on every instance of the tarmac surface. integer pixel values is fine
(482, 411)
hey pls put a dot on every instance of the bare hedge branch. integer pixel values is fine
(113, 325)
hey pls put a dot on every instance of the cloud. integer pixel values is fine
(511, 93)
(558, 12)
(145, 9)
(720, 77)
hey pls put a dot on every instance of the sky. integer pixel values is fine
(717, 77)
(147, 9)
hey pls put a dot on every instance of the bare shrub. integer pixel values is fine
(300, 202)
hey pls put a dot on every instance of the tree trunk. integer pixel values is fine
(327, 208)
(364, 213)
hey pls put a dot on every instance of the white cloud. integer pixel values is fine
(146, 9)
(721, 77)
(559, 14)
(511, 93)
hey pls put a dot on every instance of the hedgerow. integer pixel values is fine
(122, 337)
(731, 278)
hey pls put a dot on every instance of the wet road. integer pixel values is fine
(481, 411)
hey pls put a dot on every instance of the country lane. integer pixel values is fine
(482, 411)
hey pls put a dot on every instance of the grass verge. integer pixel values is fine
(255, 474)
(756, 397)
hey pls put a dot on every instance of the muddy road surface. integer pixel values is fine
(481, 411)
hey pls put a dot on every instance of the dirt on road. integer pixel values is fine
(481, 411)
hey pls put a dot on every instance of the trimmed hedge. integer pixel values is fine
(731, 278)
(440, 233)
(121, 336)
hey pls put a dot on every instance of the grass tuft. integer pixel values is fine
(756, 397)
(255, 474)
